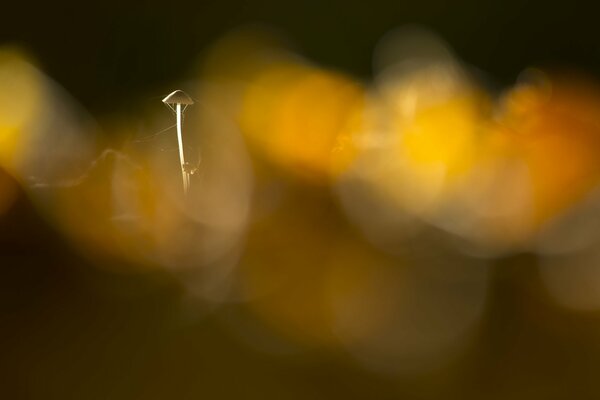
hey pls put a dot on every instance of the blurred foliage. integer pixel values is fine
(401, 225)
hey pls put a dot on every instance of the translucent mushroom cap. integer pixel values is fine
(178, 97)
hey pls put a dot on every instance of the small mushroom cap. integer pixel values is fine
(178, 97)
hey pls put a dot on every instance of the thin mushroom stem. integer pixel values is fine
(178, 98)
(184, 175)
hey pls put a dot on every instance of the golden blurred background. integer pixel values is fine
(377, 208)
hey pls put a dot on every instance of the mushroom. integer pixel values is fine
(174, 102)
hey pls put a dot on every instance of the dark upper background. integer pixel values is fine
(106, 53)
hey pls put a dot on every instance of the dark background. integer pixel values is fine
(106, 53)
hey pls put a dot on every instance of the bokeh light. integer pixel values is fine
(46, 138)
(421, 226)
